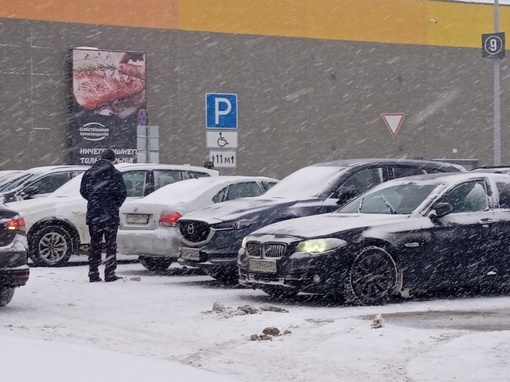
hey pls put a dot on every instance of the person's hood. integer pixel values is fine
(236, 209)
(333, 223)
(102, 166)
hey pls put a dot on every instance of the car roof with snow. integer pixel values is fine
(153, 166)
(495, 169)
(362, 161)
(48, 169)
(445, 178)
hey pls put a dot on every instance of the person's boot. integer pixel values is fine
(111, 278)
(94, 275)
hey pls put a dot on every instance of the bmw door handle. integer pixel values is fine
(485, 222)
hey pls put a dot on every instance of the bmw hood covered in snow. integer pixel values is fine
(329, 224)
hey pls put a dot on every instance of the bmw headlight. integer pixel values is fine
(319, 246)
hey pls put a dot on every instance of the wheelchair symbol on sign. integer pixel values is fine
(222, 142)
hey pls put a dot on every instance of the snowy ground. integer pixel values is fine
(162, 327)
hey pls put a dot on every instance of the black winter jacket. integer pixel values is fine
(103, 187)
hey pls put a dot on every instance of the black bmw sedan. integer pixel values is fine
(411, 234)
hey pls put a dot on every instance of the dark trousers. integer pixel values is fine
(97, 232)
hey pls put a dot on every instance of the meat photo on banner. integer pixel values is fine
(108, 94)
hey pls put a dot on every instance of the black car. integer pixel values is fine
(414, 234)
(496, 169)
(14, 271)
(211, 237)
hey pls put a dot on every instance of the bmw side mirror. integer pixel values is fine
(440, 209)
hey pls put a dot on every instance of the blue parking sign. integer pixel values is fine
(221, 111)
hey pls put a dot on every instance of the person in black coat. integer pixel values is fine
(104, 189)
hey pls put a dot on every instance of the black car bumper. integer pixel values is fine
(322, 274)
(197, 257)
(14, 277)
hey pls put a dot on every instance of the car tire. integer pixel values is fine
(372, 278)
(155, 264)
(51, 246)
(6, 294)
(223, 276)
(280, 293)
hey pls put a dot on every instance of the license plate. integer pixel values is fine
(137, 219)
(262, 266)
(190, 254)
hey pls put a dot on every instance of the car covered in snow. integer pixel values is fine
(148, 226)
(56, 227)
(412, 234)
(37, 182)
(211, 236)
(14, 271)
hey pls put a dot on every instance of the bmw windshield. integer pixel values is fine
(400, 199)
(306, 183)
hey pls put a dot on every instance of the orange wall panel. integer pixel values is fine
(146, 13)
(422, 22)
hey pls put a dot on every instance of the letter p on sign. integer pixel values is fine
(221, 111)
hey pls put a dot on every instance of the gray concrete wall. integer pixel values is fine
(300, 100)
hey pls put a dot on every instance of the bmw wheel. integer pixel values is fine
(372, 279)
(155, 263)
(51, 246)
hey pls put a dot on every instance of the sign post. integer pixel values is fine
(493, 46)
(147, 144)
(221, 128)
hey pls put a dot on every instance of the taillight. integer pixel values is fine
(169, 218)
(15, 224)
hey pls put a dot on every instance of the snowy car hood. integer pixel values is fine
(42, 203)
(328, 224)
(236, 209)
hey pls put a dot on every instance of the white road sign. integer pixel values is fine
(393, 121)
(221, 139)
(223, 158)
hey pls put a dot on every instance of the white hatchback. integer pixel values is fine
(56, 227)
(148, 225)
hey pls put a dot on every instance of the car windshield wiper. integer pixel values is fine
(360, 205)
(390, 207)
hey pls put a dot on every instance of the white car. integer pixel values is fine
(37, 182)
(148, 225)
(56, 227)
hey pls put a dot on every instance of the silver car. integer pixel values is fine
(148, 225)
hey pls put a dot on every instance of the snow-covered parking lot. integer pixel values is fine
(163, 328)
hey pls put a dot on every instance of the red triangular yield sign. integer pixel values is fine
(393, 121)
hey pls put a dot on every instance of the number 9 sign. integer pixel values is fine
(493, 45)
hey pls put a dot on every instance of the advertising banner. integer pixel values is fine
(106, 102)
